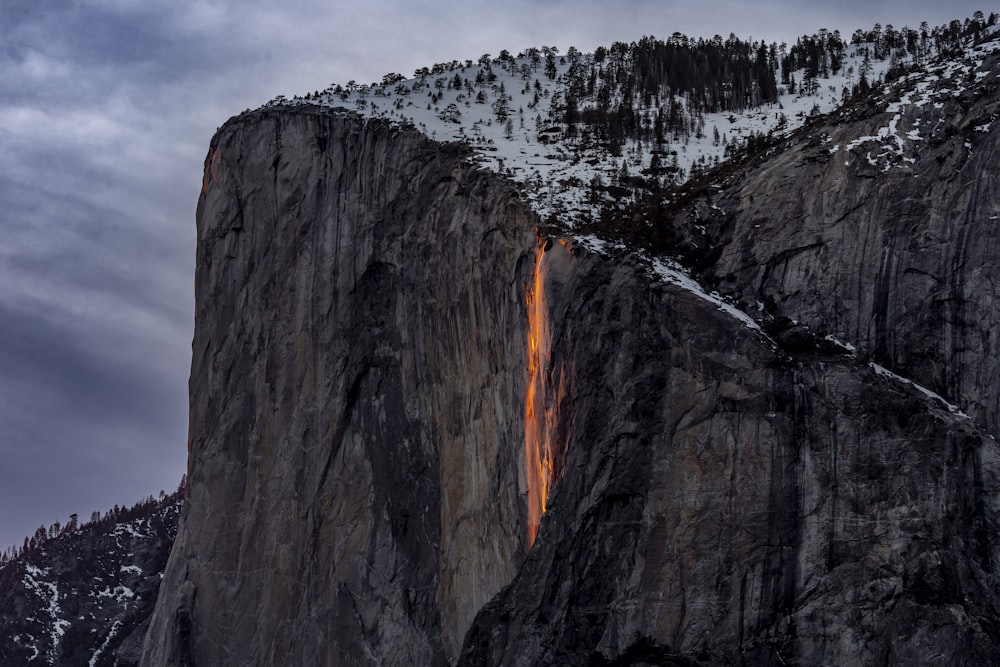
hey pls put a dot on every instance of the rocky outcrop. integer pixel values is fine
(357, 391)
(878, 226)
(361, 380)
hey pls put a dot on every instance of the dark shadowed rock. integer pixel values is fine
(725, 502)
(85, 595)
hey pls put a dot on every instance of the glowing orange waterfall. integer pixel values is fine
(539, 416)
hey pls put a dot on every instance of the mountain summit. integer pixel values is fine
(681, 352)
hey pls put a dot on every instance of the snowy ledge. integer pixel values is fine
(672, 274)
(885, 372)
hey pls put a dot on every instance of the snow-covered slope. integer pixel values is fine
(533, 149)
(513, 112)
(896, 143)
(84, 596)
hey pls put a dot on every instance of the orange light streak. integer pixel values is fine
(211, 168)
(540, 419)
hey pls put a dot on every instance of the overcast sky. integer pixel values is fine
(106, 111)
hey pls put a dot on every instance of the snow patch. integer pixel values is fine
(673, 274)
(839, 343)
(884, 372)
(594, 244)
(129, 529)
(119, 593)
(103, 646)
(34, 580)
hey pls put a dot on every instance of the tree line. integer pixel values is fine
(98, 521)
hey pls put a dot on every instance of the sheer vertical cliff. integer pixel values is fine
(356, 388)
(723, 501)
(425, 432)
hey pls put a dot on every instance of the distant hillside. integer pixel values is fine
(83, 594)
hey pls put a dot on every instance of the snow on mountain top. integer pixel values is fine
(529, 146)
(896, 144)
(514, 113)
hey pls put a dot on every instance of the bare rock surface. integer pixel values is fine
(723, 495)
(725, 502)
(879, 226)
(356, 399)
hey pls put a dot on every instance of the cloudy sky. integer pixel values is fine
(106, 111)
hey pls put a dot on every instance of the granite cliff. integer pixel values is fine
(427, 428)
(357, 384)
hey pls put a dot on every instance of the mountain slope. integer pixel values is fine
(84, 596)
(444, 414)
(584, 133)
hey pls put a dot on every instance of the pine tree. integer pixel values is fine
(550, 64)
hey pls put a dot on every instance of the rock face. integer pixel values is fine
(357, 384)
(723, 501)
(358, 484)
(879, 226)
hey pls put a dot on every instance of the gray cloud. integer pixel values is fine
(81, 409)
(105, 116)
